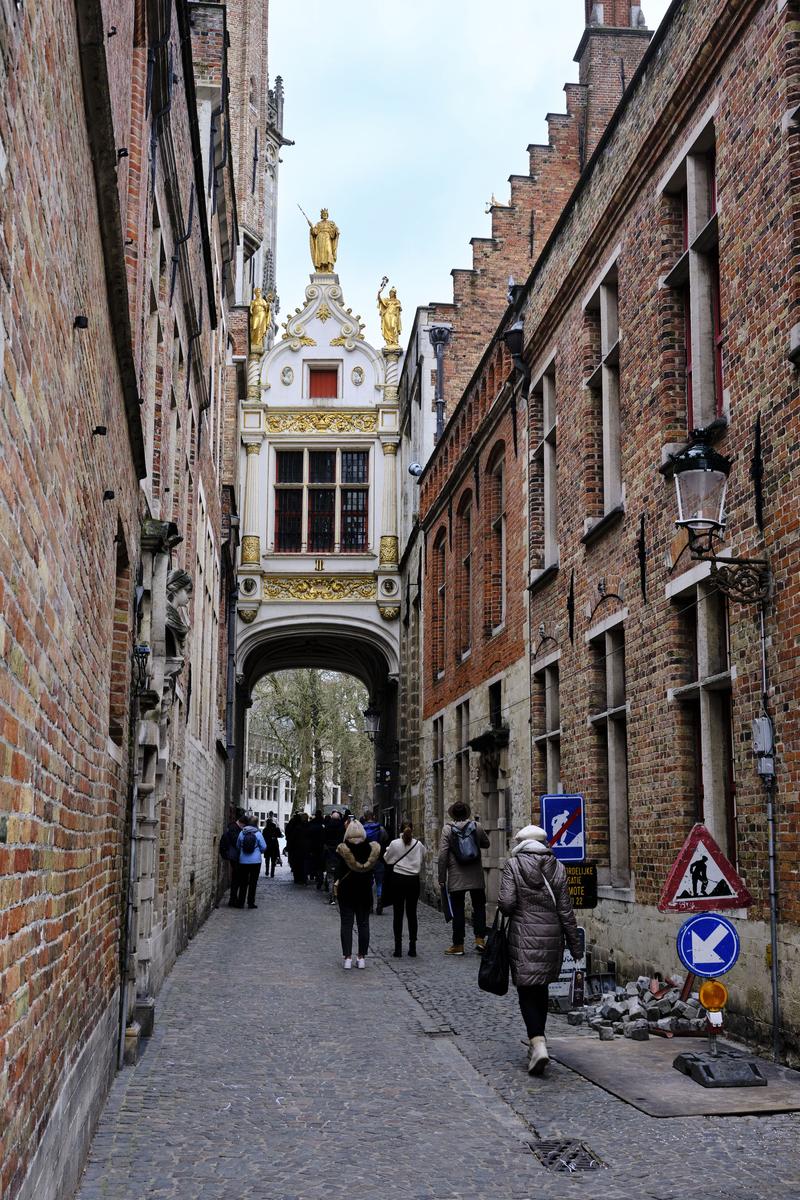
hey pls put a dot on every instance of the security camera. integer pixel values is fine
(414, 469)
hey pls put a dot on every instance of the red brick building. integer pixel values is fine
(118, 241)
(663, 300)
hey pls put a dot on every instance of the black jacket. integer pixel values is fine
(272, 833)
(334, 832)
(354, 870)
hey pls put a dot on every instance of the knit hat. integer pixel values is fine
(355, 832)
(531, 833)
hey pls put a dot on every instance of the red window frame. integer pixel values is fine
(323, 383)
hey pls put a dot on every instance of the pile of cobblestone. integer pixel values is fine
(637, 1010)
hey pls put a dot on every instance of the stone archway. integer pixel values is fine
(331, 645)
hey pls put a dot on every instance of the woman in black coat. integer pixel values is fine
(353, 889)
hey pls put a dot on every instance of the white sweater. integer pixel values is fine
(413, 860)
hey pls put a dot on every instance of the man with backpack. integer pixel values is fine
(461, 871)
(251, 846)
(376, 833)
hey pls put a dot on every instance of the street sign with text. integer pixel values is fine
(582, 884)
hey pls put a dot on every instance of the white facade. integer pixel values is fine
(318, 577)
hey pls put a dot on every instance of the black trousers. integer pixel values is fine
(405, 897)
(478, 914)
(235, 868)
(248, 874)
(361, 917)
(533, 1006)
(270, 860)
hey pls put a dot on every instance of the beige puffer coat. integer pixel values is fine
(460, 877)
(537, 928)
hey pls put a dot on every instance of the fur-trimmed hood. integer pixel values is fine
(353, 863)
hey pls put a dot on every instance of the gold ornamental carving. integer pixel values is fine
(389, 612)
(251, 548)
(323, 312)
(248, 615)
(390, 448)
(252, 447)
(322, 422)
(316, 587)
(298, 338)
(389, 551)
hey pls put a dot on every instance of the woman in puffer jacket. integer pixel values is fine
(353, 889)
(534, 894)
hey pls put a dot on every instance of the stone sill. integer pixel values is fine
(542, 578)
(603, 524)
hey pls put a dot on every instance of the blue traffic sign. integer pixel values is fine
(562, 821)
(708, 944)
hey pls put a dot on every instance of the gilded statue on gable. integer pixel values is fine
(260, 314)
(323, 240)
(390, 310)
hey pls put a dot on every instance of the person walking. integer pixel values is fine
(251, 846)
(405, 855)
(334, 831)
(272, 855)
(535, 896)
(460, 871)
(353, 890)
(376, 833)
(229, 852)
(315, 834)
(296, 846)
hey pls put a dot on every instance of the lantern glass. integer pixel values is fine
(701, 498)
(372, 722)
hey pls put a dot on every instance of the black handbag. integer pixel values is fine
(494, 969)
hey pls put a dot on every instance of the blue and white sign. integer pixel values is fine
(562, 820)
(708, 944)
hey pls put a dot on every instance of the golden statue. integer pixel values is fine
(323, 239)
(260, 314)
(390, 310)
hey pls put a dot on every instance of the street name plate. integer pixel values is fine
(582, 884)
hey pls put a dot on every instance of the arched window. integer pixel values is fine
(463, 602)
(439, 613)
(495, 558)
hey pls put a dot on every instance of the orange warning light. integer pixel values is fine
(713, 995)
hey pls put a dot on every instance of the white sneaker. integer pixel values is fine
(348, 964)
(361, 963)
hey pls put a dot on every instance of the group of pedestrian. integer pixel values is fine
(242, 846)
(353, 857)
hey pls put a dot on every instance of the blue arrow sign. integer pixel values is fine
(708, 944)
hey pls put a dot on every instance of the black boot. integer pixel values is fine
(398, 951)
(412, 949)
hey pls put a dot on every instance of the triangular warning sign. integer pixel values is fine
(702, 879)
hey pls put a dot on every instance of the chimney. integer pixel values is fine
(615, 38)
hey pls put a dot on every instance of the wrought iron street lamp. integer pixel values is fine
(701, 484)
(372, 722)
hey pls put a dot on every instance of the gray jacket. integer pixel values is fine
(460, 877)
(537, 928)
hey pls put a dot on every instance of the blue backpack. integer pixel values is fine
(464, 843)
(249, 841)
(373, 831)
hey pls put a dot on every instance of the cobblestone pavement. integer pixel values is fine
(275, 1075)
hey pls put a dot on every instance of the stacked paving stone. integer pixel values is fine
(634, 1011)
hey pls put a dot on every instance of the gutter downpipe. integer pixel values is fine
(769, 785)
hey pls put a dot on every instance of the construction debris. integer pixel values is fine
(644, 1007)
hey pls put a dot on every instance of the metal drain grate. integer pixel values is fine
(560, 1155)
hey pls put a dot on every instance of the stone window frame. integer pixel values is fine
(462, 764)
(338, 486)
(465, 544)
(545, 454)
(439, 604)
(691, 180)
(496, 533)
(601, 309)
(606, 642)
(437, 768)
(706, 619)
(545, 675)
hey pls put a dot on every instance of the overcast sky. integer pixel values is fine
(406, 117)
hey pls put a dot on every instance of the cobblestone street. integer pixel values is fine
(273, 1073)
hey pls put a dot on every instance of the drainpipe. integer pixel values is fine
(440, 336)
(767, 771)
